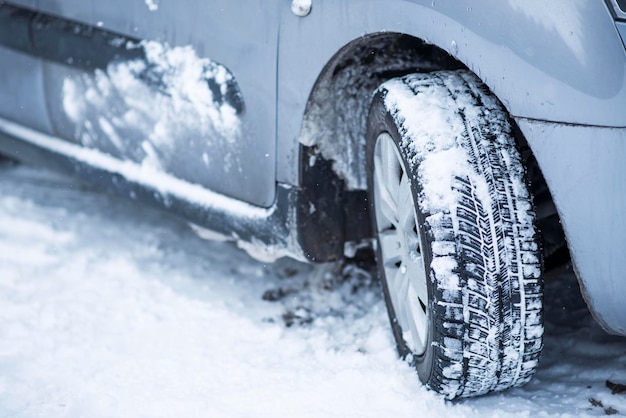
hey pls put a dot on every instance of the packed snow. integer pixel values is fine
(112, 309)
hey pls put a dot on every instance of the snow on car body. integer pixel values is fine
(251, 120)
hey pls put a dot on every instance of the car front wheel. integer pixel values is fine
(456, 244)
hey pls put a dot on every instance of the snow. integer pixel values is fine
(156, 103)
(434, 136)
(166, 186)
(262, 252)
(153, 5)
(110, 309)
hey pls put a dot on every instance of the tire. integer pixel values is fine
(457, 249)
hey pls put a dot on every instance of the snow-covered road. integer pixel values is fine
(108, 309)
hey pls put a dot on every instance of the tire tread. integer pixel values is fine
(497, 343)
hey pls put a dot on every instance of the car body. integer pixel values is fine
(293, 180)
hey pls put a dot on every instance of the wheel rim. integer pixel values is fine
(400, 244)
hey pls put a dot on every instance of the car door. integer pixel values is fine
(198, 103)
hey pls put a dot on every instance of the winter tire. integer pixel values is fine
(457, 248)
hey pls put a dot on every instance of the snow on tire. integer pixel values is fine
(457, 246)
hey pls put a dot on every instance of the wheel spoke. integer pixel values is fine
(390, 169)
(398, 288)
(415, 325)
(386, 210)
(406, 207)
(386, 205)
(417, 277)
(399, 285)
(391, 247)
(391, 162)
(419, 325)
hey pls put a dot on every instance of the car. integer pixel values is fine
(474, 146)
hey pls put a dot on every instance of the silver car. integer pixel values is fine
(472, 145)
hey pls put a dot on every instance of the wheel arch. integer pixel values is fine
(335, 116)
(332, 137)
(332, 141)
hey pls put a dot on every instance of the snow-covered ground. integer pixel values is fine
(108, 309)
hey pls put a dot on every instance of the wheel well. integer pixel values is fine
(333, 143)
(332, 152)
(336, 113)
(554, 245)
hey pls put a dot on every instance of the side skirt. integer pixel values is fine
(273, 227)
